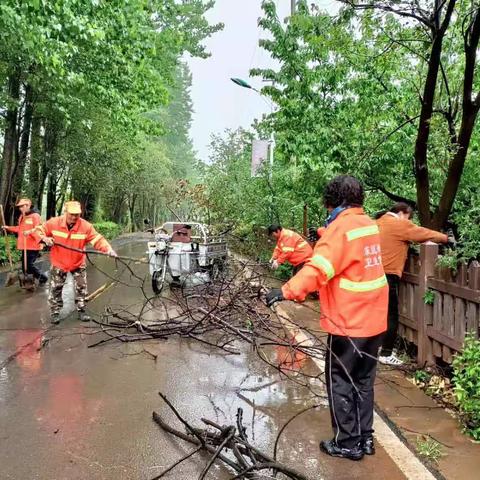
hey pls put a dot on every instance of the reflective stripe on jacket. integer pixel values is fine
(291, 247)
(27, 222)
(78, 236)
(346, 269)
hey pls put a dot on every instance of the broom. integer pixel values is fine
(12, 276)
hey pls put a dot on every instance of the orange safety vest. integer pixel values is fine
(346, 268)
(27, 222)
(291, 247)
(78, 236)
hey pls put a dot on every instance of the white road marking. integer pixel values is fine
(404, 459)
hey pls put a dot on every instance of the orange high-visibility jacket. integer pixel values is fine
(291, 247)
(27, 222)
(346, 269)
(77, 237)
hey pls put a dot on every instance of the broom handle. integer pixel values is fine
(7, 243)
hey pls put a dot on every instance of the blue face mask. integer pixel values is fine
(335, 213)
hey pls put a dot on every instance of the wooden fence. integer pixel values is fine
(438, 327)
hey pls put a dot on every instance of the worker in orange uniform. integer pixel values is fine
(347, 270)
(396, 232)
(291, 247)
(75, 232)
(28, 241)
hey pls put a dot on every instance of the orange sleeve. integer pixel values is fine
(308, 279)
(11, 229)
(36, 221)
(276, 252)
(328, 261)
(97, 240)
(286, 249)
(44, 229)
(414, 233)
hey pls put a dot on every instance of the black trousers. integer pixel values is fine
(391, 334)
(32, 256)
(350, 377)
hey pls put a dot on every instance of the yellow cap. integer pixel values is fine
(24, 201)
(73, 207)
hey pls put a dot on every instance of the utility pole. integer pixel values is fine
(293, 4)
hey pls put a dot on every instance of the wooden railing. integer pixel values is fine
(438, 327)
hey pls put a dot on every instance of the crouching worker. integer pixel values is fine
(347, 270)
(291, 247)
(71, 231)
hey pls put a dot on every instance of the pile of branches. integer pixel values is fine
(221, 315)
(228, 444)
(228, 316)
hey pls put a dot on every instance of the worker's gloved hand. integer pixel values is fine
(48, 241)
(112, 253)
(312, 235)
(274, 264)
(273, 296)
(451, 240)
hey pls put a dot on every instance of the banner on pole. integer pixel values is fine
(260, 151)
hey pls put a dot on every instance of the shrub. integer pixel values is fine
(109, 230)
(16, 254)
(466, 378)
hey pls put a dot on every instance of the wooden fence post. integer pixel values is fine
(428, 259)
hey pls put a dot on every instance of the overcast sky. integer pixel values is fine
(219, 103)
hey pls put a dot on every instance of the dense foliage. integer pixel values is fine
(385, 90)
(466, 378)
(95, 102)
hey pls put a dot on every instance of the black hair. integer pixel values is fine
(343, 190)
(399, 207)
(274, 228)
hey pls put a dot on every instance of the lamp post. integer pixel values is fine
(244, 84)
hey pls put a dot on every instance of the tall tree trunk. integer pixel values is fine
(49, 170)
(19, 171)
(423, 133)
(10, 143)
(132, 211)
(52, 194)
(470, 109)
(36, 160)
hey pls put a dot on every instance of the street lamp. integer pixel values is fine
(244, 84)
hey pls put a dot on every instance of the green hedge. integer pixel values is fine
(466, 381)
(16, 254)
(109, 230)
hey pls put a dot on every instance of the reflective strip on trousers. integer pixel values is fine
(363, 286)
(362, 232)
(325, 264)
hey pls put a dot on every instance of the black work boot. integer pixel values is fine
(54, 318)
(368, 446)
(331, 448)
(83, 316)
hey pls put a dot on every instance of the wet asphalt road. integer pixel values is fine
(69, 412)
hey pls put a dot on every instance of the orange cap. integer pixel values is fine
(24, 201)
(73, 207)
